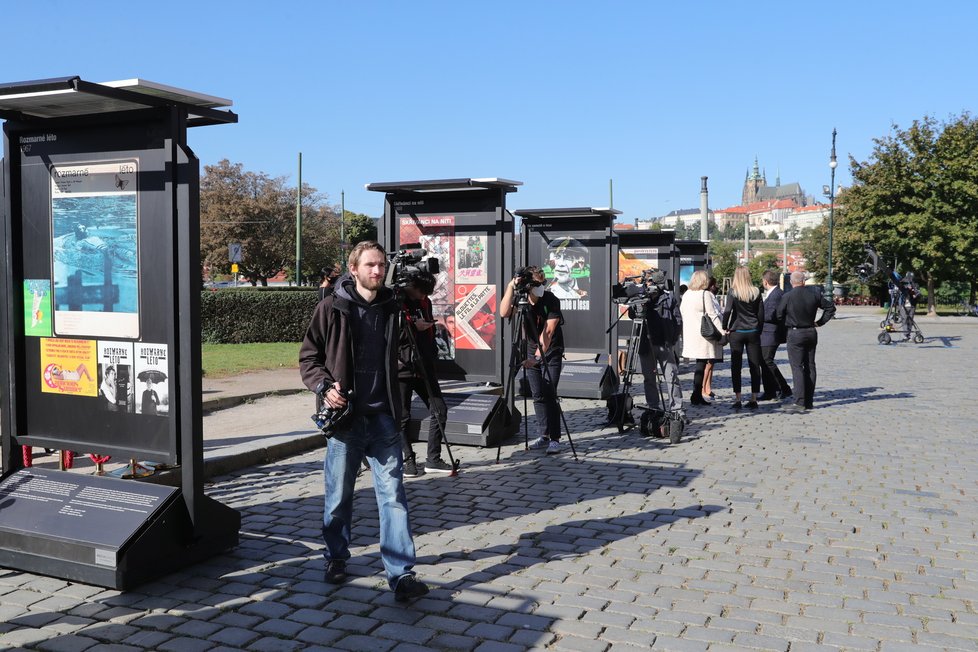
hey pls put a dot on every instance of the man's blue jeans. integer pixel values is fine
(376, 437)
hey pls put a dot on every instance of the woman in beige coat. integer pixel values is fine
(696, 302)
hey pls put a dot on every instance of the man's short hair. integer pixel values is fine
(797, 278)
(361, 247)
(423, 282)
(771, 277)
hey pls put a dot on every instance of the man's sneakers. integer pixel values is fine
(409, 588)
(411, 469)
(552, 447)
(336, 571)
(437, 465)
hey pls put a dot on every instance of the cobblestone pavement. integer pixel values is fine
(852, 526)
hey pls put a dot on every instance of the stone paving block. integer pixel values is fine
(185, 643)
(496, 646)
(320, 635)
(580, 644)
(233, 636)
(358, 643)
(760, 641)
(69, 643)
(666, 642)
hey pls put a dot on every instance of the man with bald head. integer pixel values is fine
(797, 312)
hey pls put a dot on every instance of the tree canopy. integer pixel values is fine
(915, 200)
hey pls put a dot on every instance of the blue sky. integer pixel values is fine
(562, 96)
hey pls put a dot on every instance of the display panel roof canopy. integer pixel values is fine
(567, 212)
(65, 97)
(433, 185)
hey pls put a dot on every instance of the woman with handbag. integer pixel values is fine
(710, 364)
(743, 318)
(702, 330)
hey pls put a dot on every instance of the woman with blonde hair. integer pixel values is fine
(698, 301)
(743, 319)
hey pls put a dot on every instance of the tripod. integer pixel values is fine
(404, 326)
(525, 332)
(621, 403)
(654, 419)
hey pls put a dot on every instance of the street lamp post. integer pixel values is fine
(832, 165)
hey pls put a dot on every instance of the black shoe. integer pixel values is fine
(785, 395)
(696, 400)
(767, 397)
(409, 588)
(712, 395)
(751, 405)
(736, 406)
(794, 408)
(411, 469)
(336, 571)
(438, 466)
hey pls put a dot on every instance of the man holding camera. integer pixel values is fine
(545, 350)
(416, 373)
(349, 354)
(657, 352)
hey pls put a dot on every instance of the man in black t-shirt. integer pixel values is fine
(545, 354)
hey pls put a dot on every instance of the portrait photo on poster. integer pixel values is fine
(152, 379)
(568, 270)
(115, 377)
(94, 251)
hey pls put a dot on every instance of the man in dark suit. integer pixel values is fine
(797, 311)
(773, 335)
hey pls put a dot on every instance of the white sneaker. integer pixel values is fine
(540, 442)
(553, 447)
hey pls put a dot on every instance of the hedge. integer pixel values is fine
(236, 316)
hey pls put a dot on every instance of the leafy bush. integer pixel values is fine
(235, 316)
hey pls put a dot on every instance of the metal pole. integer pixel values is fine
(611, 193)
(832, 164)
(298, 227)
(747, 241)
(785, 265)
(704, 210)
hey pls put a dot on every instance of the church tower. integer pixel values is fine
(753, 182)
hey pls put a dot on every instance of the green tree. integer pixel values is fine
(724, 255)
(916, 200)
(359, 227)
(760, 264)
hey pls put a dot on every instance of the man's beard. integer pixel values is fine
(370, 284)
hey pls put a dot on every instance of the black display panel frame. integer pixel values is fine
(650, 249)
(445, 216)
(73, 416)
(587, 317)
(691, 256)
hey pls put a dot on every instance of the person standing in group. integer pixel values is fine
(772, 335)
(743, 318)
(699, 301)
(708, 394)
(547, 351)
(797, 312)
(349, 355)
(414, 367)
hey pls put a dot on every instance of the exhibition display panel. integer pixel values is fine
(100, 327)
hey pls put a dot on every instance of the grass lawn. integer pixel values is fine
(220, 360)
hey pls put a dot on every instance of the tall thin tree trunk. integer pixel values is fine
(931, 298)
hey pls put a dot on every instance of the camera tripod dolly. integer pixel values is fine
(525, 332)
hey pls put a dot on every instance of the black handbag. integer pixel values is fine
(708, 329)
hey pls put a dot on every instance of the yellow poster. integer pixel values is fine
(68, 366)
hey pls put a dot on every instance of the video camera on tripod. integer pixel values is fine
(525, 279)
(637, 292)
(406, 263)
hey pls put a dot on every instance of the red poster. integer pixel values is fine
(475, 316)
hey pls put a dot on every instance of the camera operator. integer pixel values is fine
(548, 351)
(413, 368)
(656, 351)
(351, 346)
(909, 295)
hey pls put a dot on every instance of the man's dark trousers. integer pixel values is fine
(771, 376)
(801, 354)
